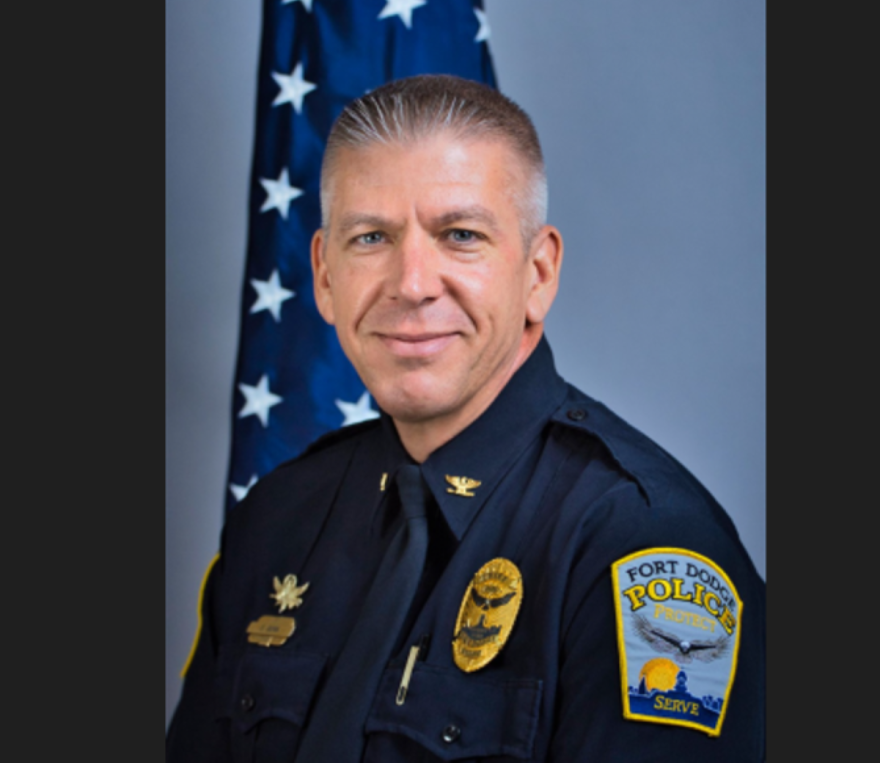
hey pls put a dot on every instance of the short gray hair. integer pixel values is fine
(412, 109)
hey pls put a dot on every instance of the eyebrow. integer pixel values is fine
(355, 220)
(474, 212)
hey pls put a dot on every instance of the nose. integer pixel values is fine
(416, 278)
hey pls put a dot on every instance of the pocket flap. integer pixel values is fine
(457, 715)
(272, 684)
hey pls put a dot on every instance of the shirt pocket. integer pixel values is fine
(257, 684)
(455, 715)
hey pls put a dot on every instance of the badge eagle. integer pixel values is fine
(288, 595)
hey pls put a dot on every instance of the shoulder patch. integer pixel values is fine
(678, 621)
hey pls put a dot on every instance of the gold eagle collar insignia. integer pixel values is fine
(462, 485)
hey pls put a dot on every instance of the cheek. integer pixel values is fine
(495, 295)
(354, 291)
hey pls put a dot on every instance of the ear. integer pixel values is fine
(545, 261)
(321, 278)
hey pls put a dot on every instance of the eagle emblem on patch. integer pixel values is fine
(678, 621)
(487, 613)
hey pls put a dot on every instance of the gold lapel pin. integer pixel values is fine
(288, 595)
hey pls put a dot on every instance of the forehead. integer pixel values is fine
(443, 169)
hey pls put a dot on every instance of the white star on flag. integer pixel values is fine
(357, 412)
(293, 88)
(270, 295)
(240, 491)
(402, 8)
(484, 31)
(258, 400)
(306, 3)
(279, 193)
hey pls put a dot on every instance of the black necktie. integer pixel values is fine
(335, 731)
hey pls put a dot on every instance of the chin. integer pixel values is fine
(413, 404)
(411, 410)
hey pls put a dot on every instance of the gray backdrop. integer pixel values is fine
(652, 116)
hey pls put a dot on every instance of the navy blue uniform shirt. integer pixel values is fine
(567, 488)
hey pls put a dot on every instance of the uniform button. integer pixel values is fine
(247, 703)
(577, 414)
(451, 733)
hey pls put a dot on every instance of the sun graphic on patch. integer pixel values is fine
(659, 673)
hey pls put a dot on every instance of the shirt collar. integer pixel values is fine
(487, 449)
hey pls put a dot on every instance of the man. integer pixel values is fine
(499, 568)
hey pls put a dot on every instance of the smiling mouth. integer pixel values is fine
(417, 345)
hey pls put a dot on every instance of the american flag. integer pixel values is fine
(293, 383)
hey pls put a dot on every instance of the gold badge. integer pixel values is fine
(287, 594)
(487, 614)
(462, 485)
(270, 630)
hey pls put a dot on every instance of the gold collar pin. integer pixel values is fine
(462, 485)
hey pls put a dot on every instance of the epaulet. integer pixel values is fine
(652, 468)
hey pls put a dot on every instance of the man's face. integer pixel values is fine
(422, 271)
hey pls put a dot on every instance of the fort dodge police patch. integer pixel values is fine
(678, 623)
(487, 613)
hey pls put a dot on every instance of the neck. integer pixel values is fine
(422, 438)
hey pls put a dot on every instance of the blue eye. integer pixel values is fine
(460, 236)
(370, 238)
